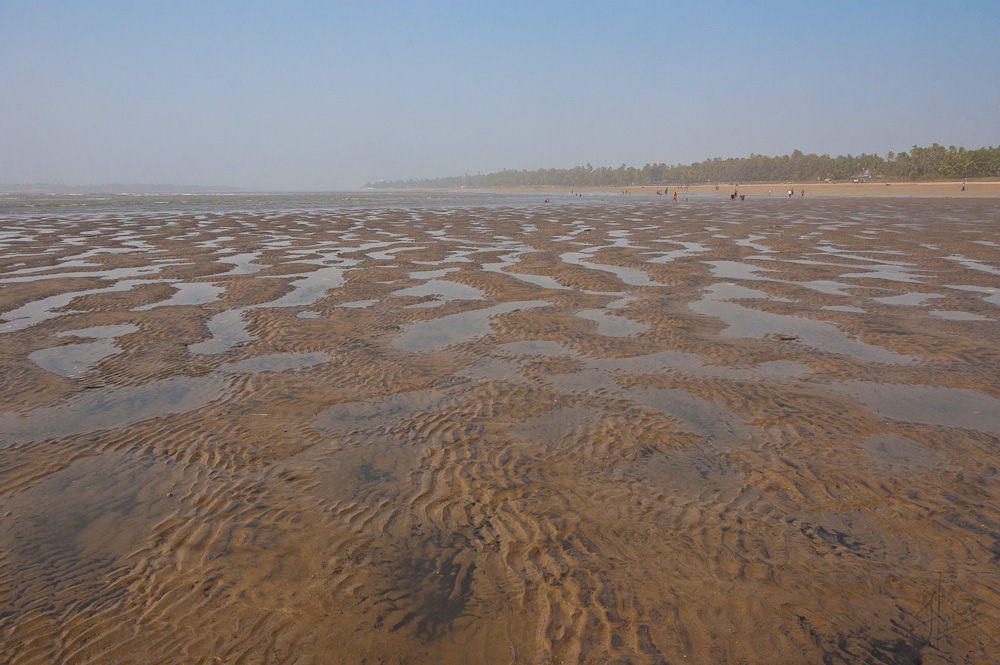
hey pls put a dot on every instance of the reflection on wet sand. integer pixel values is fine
(73, 359)
(483, 428)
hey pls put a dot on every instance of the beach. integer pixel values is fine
(516, 427)
(869, 188)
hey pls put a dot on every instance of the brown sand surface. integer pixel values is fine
(433, 428)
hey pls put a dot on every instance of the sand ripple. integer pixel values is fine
(568, 446)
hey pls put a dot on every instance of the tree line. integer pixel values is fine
(933, 163)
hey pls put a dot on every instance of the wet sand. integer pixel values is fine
(483, 428)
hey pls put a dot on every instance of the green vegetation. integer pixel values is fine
(933, 163)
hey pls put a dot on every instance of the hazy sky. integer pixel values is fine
(329, 95)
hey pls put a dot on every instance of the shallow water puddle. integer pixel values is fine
(390, 254)
(686, 473)
(751, 242)
(908, 299)
(113, 274)
(276, 362)
(928, 405)
(508, 260)
(534, 348)
(431, 274)
(188, 293)
(611, 325)
(441, 290)
(827, 286)
(630, 276)
(493, 368)
(436, 334)
(737, 270)
(974, 264)
(358, 304)
(112, 407)
(692, 413)
(955, 315)
(75, 359)
(43, 309)
(68, 263)
(716, 424)
(379, 413)
(756, 324)
(692, 364)
(895, 450)
(97, 508)
(889, 272)
(455, 256)
(689, 249)
(552, 428)
(310, 287)
(229, 328)
(662, 361)
(992, 297)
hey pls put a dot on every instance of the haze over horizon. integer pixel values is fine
(328, 96)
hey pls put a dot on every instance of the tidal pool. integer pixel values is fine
(72, 360)
(436, 334)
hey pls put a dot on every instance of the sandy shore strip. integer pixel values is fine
(868, 188)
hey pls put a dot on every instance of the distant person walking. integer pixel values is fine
(791, 192)
(803, 193)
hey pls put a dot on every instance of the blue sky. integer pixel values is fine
(328, 95)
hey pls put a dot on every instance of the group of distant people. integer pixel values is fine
(667, 193)
(732, 197)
